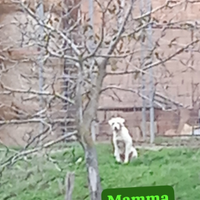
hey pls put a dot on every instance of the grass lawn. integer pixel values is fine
(41, 178)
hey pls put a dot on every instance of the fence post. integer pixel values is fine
(143, 76)
(69, 183)
(152, 88)
(40, 35)
(145, 7)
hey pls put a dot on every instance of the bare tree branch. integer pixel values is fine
(32, 14)
(116, 38)
(167, 4)
(143, 96)
(20, 155)
(172, 56)
(29, 91)
(35, 120)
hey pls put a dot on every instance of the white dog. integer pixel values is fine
(121, 134)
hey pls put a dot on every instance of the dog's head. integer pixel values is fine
(116, 123)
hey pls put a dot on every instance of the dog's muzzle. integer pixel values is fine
(115, 128)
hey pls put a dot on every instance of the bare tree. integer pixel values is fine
(89, 111)
(90, 71)
(89, 56)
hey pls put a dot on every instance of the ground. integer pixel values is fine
(42, 178)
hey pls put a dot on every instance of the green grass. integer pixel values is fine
(40, 179)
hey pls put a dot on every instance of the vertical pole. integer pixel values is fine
(40, 13)
(199, 118)
(67, 66)
(143, 77)
(70, 15)
(91, 12)
(150, 47)
(192, 82)
(91, 33)
(191, 56)
(120, 13)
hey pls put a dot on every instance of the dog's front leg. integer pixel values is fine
(127, 152)
(116, 150)
(117, 155)
(134, 151)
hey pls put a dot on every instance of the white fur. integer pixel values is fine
(121, 133)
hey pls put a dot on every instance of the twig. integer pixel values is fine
(168, 99)
(64, 36)
(122, 72)
(117, 56)
(159, 8)
(170, 57)
(29, 91)
(154, 64)
(133, 91)
(21, 154)
(34, 120)
(143, 96)
(48, 129)
(121, 30)
(100, 41)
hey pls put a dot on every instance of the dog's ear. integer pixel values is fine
(110, 122)
(122, 120)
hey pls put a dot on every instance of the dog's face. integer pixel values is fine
(116, 123)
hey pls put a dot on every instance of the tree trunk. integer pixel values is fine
(90, 113)
(93, 173)
(87, 142)
(91, 159)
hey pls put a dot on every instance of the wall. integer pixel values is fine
(176, 79)
(20, 72)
